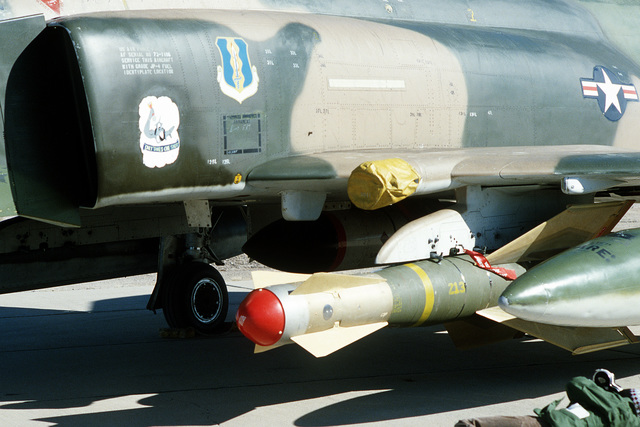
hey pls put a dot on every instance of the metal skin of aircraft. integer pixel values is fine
(469, 147)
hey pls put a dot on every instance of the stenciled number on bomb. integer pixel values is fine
(456, 288)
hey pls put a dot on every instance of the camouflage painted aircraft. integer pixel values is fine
(143, 136)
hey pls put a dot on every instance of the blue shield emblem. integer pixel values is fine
(237, 77)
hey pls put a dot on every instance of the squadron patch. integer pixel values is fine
(237, 77)
(159, 140)
(611, 93)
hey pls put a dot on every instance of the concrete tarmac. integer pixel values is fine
(91, 355)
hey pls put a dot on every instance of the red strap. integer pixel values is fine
(484, 264)
(53, 5)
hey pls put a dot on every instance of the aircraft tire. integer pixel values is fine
(170, 309)
(196, 296)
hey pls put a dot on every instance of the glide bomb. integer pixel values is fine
(595, 284)
(329, 311)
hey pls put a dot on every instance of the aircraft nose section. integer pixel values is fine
(261, 318)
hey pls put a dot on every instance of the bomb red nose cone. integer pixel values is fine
(260, 317)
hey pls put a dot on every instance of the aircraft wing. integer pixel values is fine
(578, 340)
(596, 168)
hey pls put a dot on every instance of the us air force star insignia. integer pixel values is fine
(611, 93)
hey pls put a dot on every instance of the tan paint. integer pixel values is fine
(74, 7)
(254, 26)
(424, 110)
(628, 133)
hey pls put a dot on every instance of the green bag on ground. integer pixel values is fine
(601, 408)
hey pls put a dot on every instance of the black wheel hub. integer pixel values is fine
(206, 299)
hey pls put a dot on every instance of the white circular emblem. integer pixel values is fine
(159, 122)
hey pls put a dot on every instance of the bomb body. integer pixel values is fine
(329, 311)
(595, 284)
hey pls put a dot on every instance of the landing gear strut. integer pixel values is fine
(190, 292)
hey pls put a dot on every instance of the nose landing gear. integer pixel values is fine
(196, 296)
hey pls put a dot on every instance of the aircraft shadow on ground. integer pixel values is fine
(73, 360)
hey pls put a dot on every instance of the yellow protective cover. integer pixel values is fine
(380, 183)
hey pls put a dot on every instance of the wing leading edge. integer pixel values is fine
(576, 169)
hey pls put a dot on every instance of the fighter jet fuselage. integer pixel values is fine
(318, 137)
